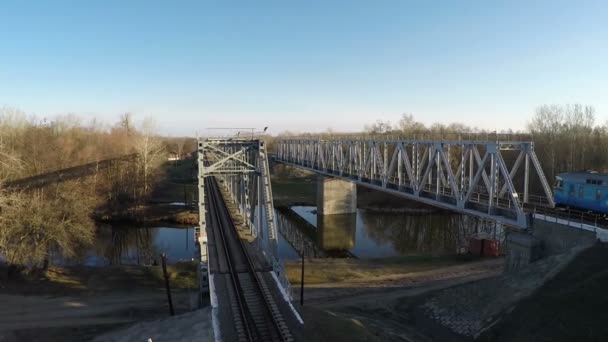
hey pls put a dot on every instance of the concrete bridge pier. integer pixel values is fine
(335, 196)
(336, 232)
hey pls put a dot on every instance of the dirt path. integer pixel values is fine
(25, 312)
(80, 317)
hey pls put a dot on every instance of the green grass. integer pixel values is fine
(318, 271)
(294, 190)
(65, 280)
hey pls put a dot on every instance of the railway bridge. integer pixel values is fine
(474, 177)
(240, 269)
(496, 180)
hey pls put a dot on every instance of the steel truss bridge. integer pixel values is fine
(242, 165)
(480, 178)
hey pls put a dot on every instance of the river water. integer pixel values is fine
(373, 234)
(135, 245)
(364, 234)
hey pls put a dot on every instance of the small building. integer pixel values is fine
(173, 156)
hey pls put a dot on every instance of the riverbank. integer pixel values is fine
(373, 297)
(173, 198)
(558, 298)
(293, 186)
(344, 270)
(59, 280)
(157, 214)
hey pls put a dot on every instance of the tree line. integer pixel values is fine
(566, 137)
(37, 223)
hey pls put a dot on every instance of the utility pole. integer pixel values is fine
(164, 262)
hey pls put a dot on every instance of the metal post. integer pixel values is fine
(385, 171)
(462, 169)
(470, 168)
(302, 281)
(526, 177)
(163, 258)
(399, 171)
(438, 171)
(415, 161)
(430, 147)
(493, 178)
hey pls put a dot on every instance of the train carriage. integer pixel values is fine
(586, 190)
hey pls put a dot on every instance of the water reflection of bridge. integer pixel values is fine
(301, 242)
(336, 235)
(426, 234)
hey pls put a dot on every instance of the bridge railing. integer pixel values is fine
(67, 173)
(434, 136)
(574, 216)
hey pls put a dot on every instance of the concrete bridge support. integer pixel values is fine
(337, 232)
(335, 196)
(522, 249)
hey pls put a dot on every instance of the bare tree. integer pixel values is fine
(407, 124)
(32, 226)
(150, 149)
(379, 127)
(179, 144)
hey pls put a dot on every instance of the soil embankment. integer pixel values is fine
(572, 306)
(559, 298)
(369, 292)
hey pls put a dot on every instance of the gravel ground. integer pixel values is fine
(470, 309)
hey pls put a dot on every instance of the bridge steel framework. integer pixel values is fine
(242, 166)
(468, 176)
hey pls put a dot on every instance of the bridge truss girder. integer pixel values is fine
(241, 165)
(473, 177)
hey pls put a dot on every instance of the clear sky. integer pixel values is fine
(303, 65)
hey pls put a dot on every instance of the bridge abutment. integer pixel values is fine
(336, 196)
(522, 249)
(549, 236)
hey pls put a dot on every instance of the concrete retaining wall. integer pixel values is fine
(549, 236)
(559, 238)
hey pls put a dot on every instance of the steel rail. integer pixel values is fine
(214, 215)
(222, 215)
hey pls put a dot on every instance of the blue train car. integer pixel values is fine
(584, 190)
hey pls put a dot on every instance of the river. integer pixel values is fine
(119, 244)
(364, 234)
(373, 234)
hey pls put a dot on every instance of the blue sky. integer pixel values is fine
(307, 65)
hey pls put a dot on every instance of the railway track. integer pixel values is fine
(256, 316)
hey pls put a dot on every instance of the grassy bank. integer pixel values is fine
(291, 186)
(82, 279)
(318, 271)
(157, 214)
